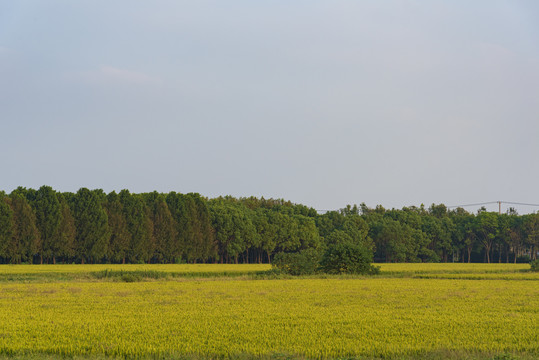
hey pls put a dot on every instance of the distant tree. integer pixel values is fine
(516, 235)
(207, 247)
(65, 244)
(266, 230)
(394, 241)
(48, 217)
(164, 227)
(92, 226)
(25, 234)
(486, 225)
(465, 233)
(6, 227)
(304, 262)
(139, 225)
(176, 207)
(531, 227)
(345, 257)
(503, 238)
(120, 237)
(232, 227)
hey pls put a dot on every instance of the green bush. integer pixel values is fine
(305, 262)
(348, 258)
(535, 265)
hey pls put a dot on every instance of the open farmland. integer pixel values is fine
(401, 313)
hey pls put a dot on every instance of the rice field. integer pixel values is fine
(396, 315)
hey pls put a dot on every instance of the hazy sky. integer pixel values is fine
(324, 103)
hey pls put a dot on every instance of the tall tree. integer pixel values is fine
(206, 247)
(531, 226)
(48, 218)
(6, 227)
(140, 227)
(164, 227)
(25, 233)
(119, 233)
(92, 226)
(65, 244)
(486, 229)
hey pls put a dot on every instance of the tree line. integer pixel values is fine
(91, 226)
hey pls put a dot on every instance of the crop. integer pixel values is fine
(306, 318)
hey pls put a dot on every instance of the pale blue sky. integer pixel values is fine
(323, 103)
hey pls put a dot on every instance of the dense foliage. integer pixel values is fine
(46, 226)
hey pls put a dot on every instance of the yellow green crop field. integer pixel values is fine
(401, 316)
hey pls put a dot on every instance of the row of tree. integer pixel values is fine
(44, 225)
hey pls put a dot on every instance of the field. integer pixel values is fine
(434, 311)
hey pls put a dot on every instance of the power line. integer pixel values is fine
(517, 203)
(476, 204)
(494, 202)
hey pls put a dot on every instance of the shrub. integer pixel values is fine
(348, 258)
(534, 265)
(305, 262)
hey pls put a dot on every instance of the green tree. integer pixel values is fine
(346, 257)
(232, 228)
(6, 228)
(67, 232)
(164, 227)
(48, 218)
(531, 226)
(176, 207)
(119, 233)
(207, 246)
(486, 225)
(266, 230)
(92, 236)
(139, 225)
(516, 231)
(25, 234)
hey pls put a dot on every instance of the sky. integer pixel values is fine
(324, 103)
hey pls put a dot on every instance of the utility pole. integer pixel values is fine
(499, 207)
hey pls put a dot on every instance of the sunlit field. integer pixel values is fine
(255, 317)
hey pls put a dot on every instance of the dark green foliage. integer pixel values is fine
(233, 229)
(534, 265)
(348, 258)
(92, 226)
(119, 233)
(48, 218)
(26, 239)
(66, 232)
(304, 262)
(164, 227)
(153, 227)
(139, 224)
(6, 227)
